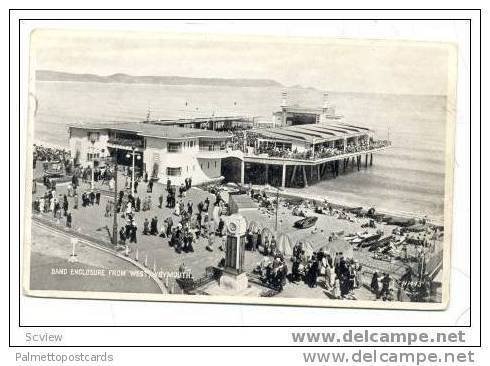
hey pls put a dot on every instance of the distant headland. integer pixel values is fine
(49, 75)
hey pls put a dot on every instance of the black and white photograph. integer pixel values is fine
(201, 167)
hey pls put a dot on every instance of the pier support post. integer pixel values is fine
(371, 160)
(337, 164)
(318, 172)
(242, 172)
(304, 176)
(359, 163)
(353, 158)
(266, 173)
(365, 162)
(283, 178)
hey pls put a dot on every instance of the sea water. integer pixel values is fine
(409, 177)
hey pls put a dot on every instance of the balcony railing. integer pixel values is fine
(321, 154)
(212, 148)
(126, 142)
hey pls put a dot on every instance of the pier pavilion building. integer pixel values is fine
(303, 154)
(290, 156)
(164, 152)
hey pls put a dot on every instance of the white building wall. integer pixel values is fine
(79, 141)
(210, 167)
(277, 119)
(187, 160)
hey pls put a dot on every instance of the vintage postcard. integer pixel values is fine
(228, 168)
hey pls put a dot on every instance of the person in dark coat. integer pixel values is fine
(218, 199)
(137, 206)
(68, 219)
(375, 284)
(170, 223)
(221, 226)
(128, 230)
(205, 207)
(92, 198)
(385, 286)
(74, 181)
(135, 186)
(133, 234)
(169, 185)
(295, 275)
(150, 186)
(313, 273)
(56, 208)
(259, 242)
(146, 227)
(97, 198)
(65, 205)
(154, 226)
(122, 236)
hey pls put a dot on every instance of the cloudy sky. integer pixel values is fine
(368, 66)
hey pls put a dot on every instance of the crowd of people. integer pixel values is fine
(341, 275)
(182, 228)
(273, 271)
(320, 152)
(60, 205)
(43, 153)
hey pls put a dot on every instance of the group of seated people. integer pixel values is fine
(320, 151)
(43, 153)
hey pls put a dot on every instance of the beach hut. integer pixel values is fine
(339, 246)
(285, 245)
(254, 227)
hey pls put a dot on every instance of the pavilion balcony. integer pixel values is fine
(314, 157)
(126, 142)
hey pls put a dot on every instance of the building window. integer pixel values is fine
(93, 136)
(91, 156)
(174, 172)
(215, 164)
(174, 147)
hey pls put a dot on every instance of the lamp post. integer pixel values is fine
(277, 205)
(114, 216)
(92, 141)
(134, 156)
(108, 159)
